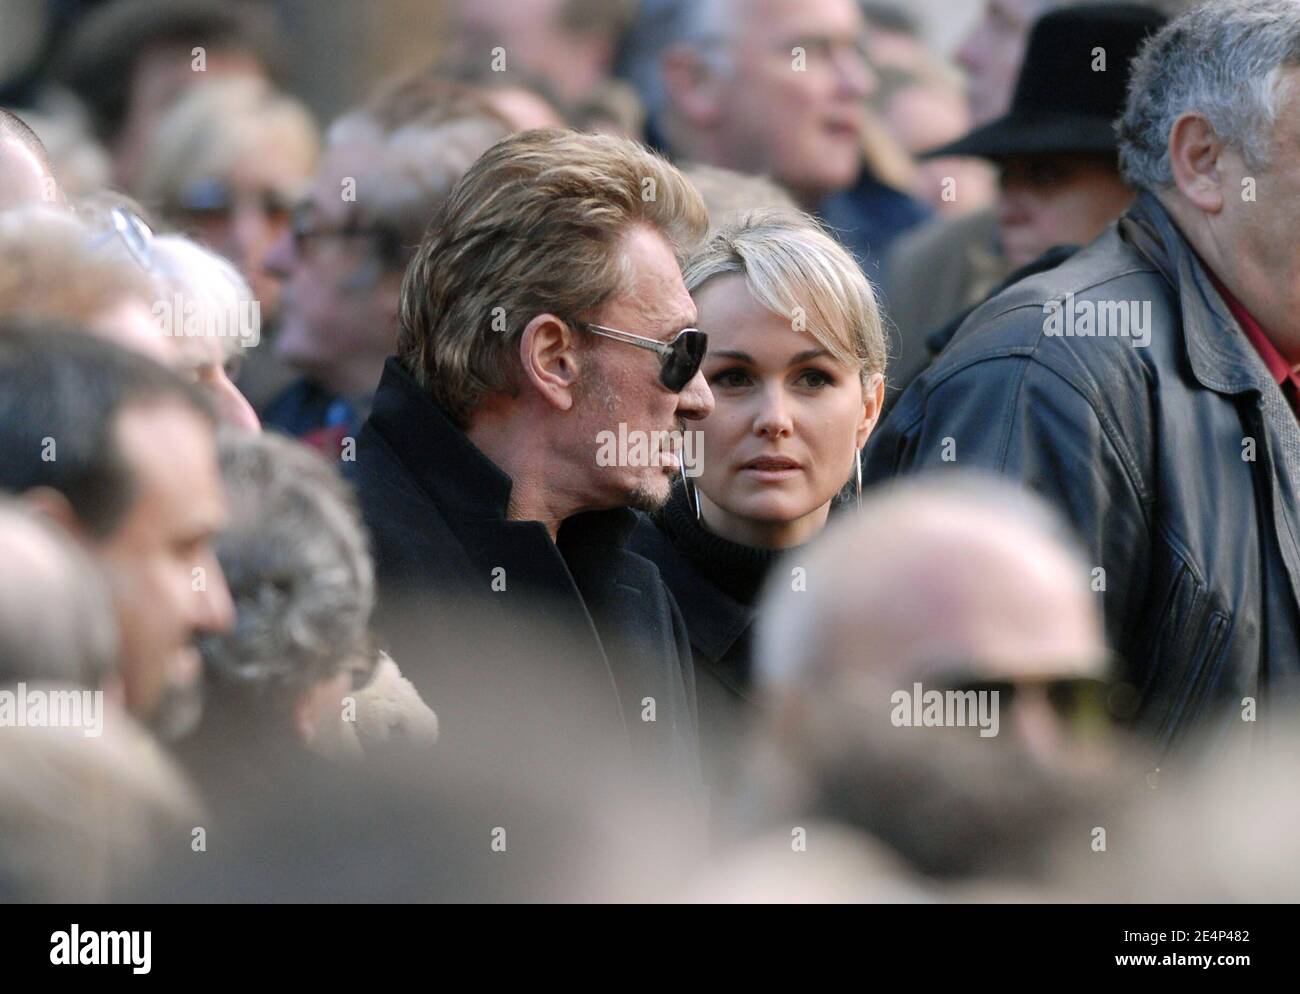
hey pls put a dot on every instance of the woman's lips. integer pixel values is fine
(775, 468)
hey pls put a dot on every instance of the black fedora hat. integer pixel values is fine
(1062, 103)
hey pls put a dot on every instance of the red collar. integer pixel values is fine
(1278, 367)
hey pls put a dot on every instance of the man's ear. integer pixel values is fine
(873, 398)
(549, 355)
(1194, 158)
(51, 505)
(692, 85)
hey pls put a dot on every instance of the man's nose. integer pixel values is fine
(1014, 203)
(1038, 726)
(214, 610)
(234, 406)
(279, 258)
(856, 76)
(696, 399)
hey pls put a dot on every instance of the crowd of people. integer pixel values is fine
(676, 450)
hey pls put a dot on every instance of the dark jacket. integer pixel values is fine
(1145, 451)
(716, 583)
(557, 646)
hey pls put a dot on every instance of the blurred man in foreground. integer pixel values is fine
(956, 748)
(121, 454)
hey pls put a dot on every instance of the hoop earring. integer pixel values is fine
(692, 494)
(857, 462)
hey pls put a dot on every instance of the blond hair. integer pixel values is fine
(534, 227)
(211, 127)
(795, 269)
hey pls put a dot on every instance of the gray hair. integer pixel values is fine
(220, 295)
(296, 561)
(1222, 60)
(425, 133)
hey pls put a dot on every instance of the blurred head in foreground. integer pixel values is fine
(935, 668)
(56, 614)
(25, 173)
(120, 452)
(167, 298)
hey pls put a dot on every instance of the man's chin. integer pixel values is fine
(178, 712)
(649, 496)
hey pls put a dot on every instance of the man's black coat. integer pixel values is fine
(558, 654)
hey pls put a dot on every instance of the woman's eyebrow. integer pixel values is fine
(807, 355)
(729, 354)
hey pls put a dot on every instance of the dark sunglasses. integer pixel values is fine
(214, 198)
(679, 359)
(1077, 701)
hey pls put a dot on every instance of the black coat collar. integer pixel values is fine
(454, 472)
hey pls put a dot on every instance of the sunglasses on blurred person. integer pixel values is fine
(216, 200)
(1082, 704)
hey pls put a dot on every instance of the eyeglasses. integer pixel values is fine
(212, 198)
(304, 226)
(680, 358)
(1079, 702)
(136, 236)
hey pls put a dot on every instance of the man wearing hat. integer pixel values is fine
(1060, 180)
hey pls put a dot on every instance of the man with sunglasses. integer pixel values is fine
(949, 692)
(386, 167)
(544, 309)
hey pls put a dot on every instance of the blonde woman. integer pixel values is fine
(796, 364)
(226, 166)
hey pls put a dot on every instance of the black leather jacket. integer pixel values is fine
(1177, 463)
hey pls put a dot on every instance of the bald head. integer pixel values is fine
(25, 173)
(931, 574)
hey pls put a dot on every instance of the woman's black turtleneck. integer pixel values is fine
(738, 570)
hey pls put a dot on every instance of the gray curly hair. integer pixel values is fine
(1221, 59)
(297, 562)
